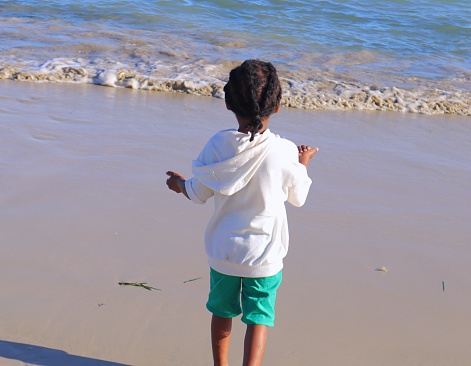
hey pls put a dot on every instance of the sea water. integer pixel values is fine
(398, 55)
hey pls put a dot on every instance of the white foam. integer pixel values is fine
(57, 64)
(197, 78)
(107, 78)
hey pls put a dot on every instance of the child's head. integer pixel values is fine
(253, 92)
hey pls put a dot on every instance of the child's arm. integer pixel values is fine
(306, 153)
(176, 182)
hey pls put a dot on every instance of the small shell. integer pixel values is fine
(381, 269)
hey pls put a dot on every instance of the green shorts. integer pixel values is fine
(256, 295)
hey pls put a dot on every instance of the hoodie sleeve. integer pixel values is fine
(297, 193)
(197, 191)
(299, 181)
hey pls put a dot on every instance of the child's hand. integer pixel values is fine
(306, 153)
(174, 180)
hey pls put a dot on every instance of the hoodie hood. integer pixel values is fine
(241, 160)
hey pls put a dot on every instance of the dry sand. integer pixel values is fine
(83, 206)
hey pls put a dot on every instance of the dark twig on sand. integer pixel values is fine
(139, 284)
(193, 279)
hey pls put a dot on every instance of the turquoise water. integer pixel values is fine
(324, 50)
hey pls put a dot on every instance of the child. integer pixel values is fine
(250, 172)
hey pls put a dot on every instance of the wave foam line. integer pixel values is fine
(326, 94)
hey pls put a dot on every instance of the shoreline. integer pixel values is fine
(322, 92)
(84, 206)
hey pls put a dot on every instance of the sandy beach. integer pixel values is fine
(84, 206)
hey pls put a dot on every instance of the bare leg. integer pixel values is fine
(220, 339)
(254, 344)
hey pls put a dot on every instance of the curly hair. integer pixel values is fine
(253, 91)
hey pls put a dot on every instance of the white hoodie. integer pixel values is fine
(247, 235)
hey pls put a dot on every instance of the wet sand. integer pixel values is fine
(84, 206)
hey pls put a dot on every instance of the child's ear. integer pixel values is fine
(228, 106)
(277, 108)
